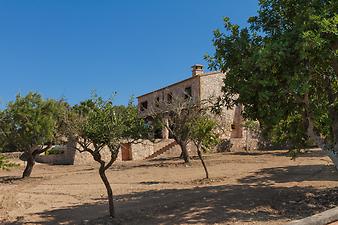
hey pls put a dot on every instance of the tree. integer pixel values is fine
(284, 67)
(204, 135)
(176, 116)
(101, 124)
(32, 124)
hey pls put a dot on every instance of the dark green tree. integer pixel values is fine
(284, 67)
(32, 125)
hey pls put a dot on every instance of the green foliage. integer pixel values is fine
(31, 121)
(290, 132)
(103, 123)
(286, 55)
(203, 131)
(5, 164)
(98, 123)
(253, 126)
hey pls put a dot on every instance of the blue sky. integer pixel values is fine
(67, 48)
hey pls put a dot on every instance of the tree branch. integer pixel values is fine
(41, 150)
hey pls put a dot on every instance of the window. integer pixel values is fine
(169, 98)
(187, 93)
(144, 106)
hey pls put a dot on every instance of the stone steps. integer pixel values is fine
(161, 150)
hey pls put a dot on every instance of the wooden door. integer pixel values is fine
(126, 152)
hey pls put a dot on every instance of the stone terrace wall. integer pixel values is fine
(85, 158)
(142, 150)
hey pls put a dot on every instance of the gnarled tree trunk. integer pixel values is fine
(185, 152)
(330, 150)
(102, 172)
(30, 157)
(29, 166)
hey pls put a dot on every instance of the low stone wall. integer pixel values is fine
(240, 144)
(12, 155)
(138, 151)
(86, 158)
(142, 150)
(65, 158)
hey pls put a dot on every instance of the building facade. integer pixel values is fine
(200, 86)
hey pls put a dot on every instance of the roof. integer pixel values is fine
(190, 78)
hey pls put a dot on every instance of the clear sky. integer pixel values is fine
(67, 48)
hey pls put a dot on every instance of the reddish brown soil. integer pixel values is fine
(245, 188)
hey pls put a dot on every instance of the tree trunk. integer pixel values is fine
(330, 151)
(29, 167)
(202, 160)
(105, 181)
(333, 156)
(334, 115)
(185, 153)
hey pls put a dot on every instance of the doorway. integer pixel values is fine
(126, 152)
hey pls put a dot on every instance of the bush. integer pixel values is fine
(5, 164)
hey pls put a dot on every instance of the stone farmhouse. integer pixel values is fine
(199, 87)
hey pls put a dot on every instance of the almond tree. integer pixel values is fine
(183, 124)
(204, 136)
(32, 125)
(99, 124)
(179, 113)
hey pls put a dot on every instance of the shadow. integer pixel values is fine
(204, 205)
(299, 173)
(163, 159)
(307, 153)
(283, 153)
(148, 164)
(152, 182)
(9, 179)
(17, 179)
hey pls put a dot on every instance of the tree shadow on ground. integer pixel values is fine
(283, 153)
(17, 179)
(9, 179)
(287, 174)
(207, 205)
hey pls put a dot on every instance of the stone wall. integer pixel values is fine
(211, 85)
(85, 158)
(142, 150)
(66, 158)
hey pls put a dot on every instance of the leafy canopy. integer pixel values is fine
(31, 121)
(104, 124)
(284, 66)
(203, 131)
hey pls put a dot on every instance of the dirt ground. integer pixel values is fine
(263, 187)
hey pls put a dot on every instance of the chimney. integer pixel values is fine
(197, 69)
